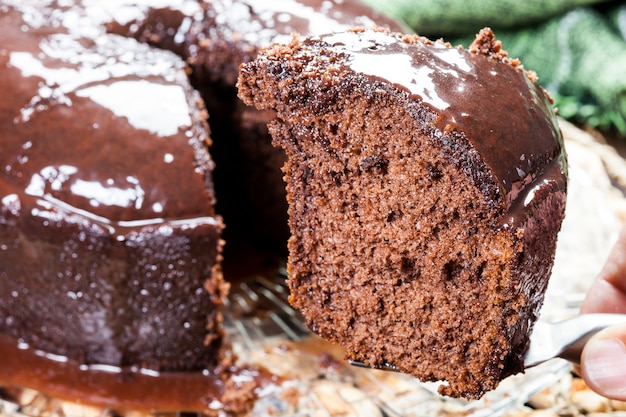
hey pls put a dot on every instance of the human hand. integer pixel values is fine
(603, 362)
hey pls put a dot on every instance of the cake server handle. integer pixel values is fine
(566, 339)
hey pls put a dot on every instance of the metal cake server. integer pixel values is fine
(565, 339)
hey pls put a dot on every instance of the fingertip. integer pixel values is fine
(603, 363)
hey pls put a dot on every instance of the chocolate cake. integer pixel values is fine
(426, 186)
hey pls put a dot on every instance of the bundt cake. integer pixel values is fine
(426, 186)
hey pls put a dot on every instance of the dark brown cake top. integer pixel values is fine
(97, 124)
(485, 97)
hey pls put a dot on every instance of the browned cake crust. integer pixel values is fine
(426, 187)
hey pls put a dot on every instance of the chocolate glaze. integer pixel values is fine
(58, 72)
(107, 386)
(123, 389)
(217, 36)
(463, 89)
(108, 233)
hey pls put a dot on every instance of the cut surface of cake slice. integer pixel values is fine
(426, 186)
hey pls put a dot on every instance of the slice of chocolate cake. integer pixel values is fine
(426, 186)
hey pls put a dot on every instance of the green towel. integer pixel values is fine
(576, 47)
(617, 15)
(586, 73)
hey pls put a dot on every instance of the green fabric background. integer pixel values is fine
(576, 47)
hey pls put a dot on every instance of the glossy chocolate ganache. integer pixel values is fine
(426, 186)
